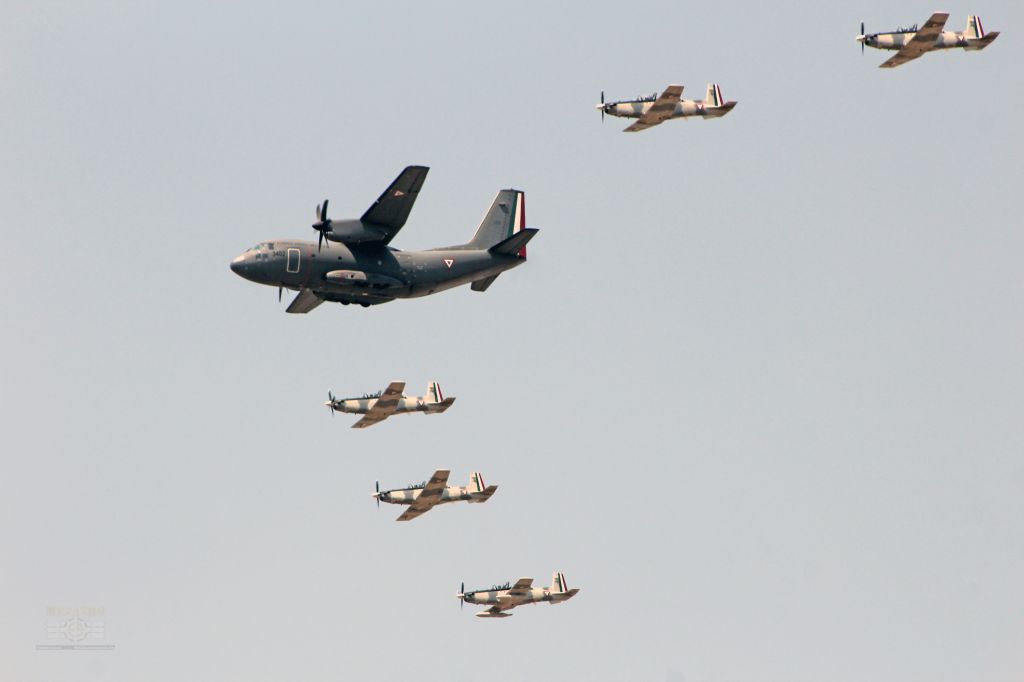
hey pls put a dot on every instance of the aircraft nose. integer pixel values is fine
(238, 265)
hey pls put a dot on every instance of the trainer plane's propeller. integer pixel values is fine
(602, 106)
(322, 225)
(862, 37)
(376, 495)
(330, 402)
(462, 595)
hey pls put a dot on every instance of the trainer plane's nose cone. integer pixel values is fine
(238, 265)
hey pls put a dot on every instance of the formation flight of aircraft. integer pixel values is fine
(654, 109)
(425, 496)
(378, 407)
(352, 262)
(506, 597)
(913, 42)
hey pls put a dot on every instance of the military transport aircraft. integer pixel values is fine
(352, 262)
(655, 109)
(913, 42)
(379, 406)
(508, 596)
(425, 496)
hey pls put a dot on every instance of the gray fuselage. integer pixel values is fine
(366, 273)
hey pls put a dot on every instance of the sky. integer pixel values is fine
(757, 390)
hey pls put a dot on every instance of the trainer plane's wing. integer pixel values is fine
(304, 302)
(391, 210)
(923, 41)
(521, 587)
(385, 406)
(660, 111)
(428, 497)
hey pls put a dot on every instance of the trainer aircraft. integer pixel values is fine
(425, 496)
(506, 597)
(352, 260)
(655, 109)
(912, 42)
(377, 407)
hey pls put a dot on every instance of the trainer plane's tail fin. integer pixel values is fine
(974, 28)
(713, 98)
(505, 218)
(558, 584)
(434, 394)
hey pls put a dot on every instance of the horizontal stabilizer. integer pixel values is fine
(482, 284)
(484, 494)
(982, 43)
(514, 244)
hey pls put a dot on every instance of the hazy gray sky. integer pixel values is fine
(758, 390)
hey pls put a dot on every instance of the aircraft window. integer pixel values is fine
(270, 246)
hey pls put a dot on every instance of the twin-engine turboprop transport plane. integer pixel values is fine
(506, 597)
(913, 42)
(655, 109)
(352, 262)
(379, 406)
(425, 496)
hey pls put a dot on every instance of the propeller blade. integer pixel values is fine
(318, 213)
(323, 216)
(863, 35)
(378, 494)
(280, 291)
(462, 595)
(602, 106)
(320, 241)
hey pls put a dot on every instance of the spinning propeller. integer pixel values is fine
(330, 405)
(602, 106)
(462, 595)
(322, 224)
(862, 37)
(376, 495)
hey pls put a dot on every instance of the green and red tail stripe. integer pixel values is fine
(519, 220)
